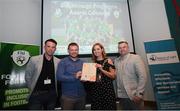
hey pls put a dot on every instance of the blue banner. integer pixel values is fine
(165, 74)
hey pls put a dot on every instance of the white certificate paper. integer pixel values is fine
(89, 72)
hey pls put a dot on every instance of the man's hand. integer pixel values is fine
(78, 75)
(137, 99)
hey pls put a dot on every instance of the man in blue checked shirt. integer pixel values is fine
(69, 73)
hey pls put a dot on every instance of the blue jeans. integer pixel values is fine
(69, 103)
(43, 100)
(127, 104)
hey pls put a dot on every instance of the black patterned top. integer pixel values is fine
(102, 91)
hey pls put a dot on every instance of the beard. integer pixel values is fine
(74, 55)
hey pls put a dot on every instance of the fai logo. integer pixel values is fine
(20, 57)
(153, 58)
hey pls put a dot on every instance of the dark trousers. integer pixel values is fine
(69, 103)
(127, 104)
(43, 100)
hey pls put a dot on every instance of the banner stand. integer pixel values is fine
(13, 60)
(164, 69)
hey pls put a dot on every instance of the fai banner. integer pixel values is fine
(164, 68)
(13, 60)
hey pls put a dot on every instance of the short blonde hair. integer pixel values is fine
(123, 42)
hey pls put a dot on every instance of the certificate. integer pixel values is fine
(89, 72)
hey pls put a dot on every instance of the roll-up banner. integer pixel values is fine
(164, 69)
(13, 60)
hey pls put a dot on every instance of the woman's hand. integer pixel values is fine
(99, 66)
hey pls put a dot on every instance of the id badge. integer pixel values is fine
(47, 81)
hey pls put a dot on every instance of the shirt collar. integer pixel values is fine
(73, 60)
(46, 58)
(124, 57)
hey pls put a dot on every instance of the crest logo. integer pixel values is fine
(116, 14)
(153, 58)
(20, 57)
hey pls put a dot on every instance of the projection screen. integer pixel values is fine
(87, 22)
